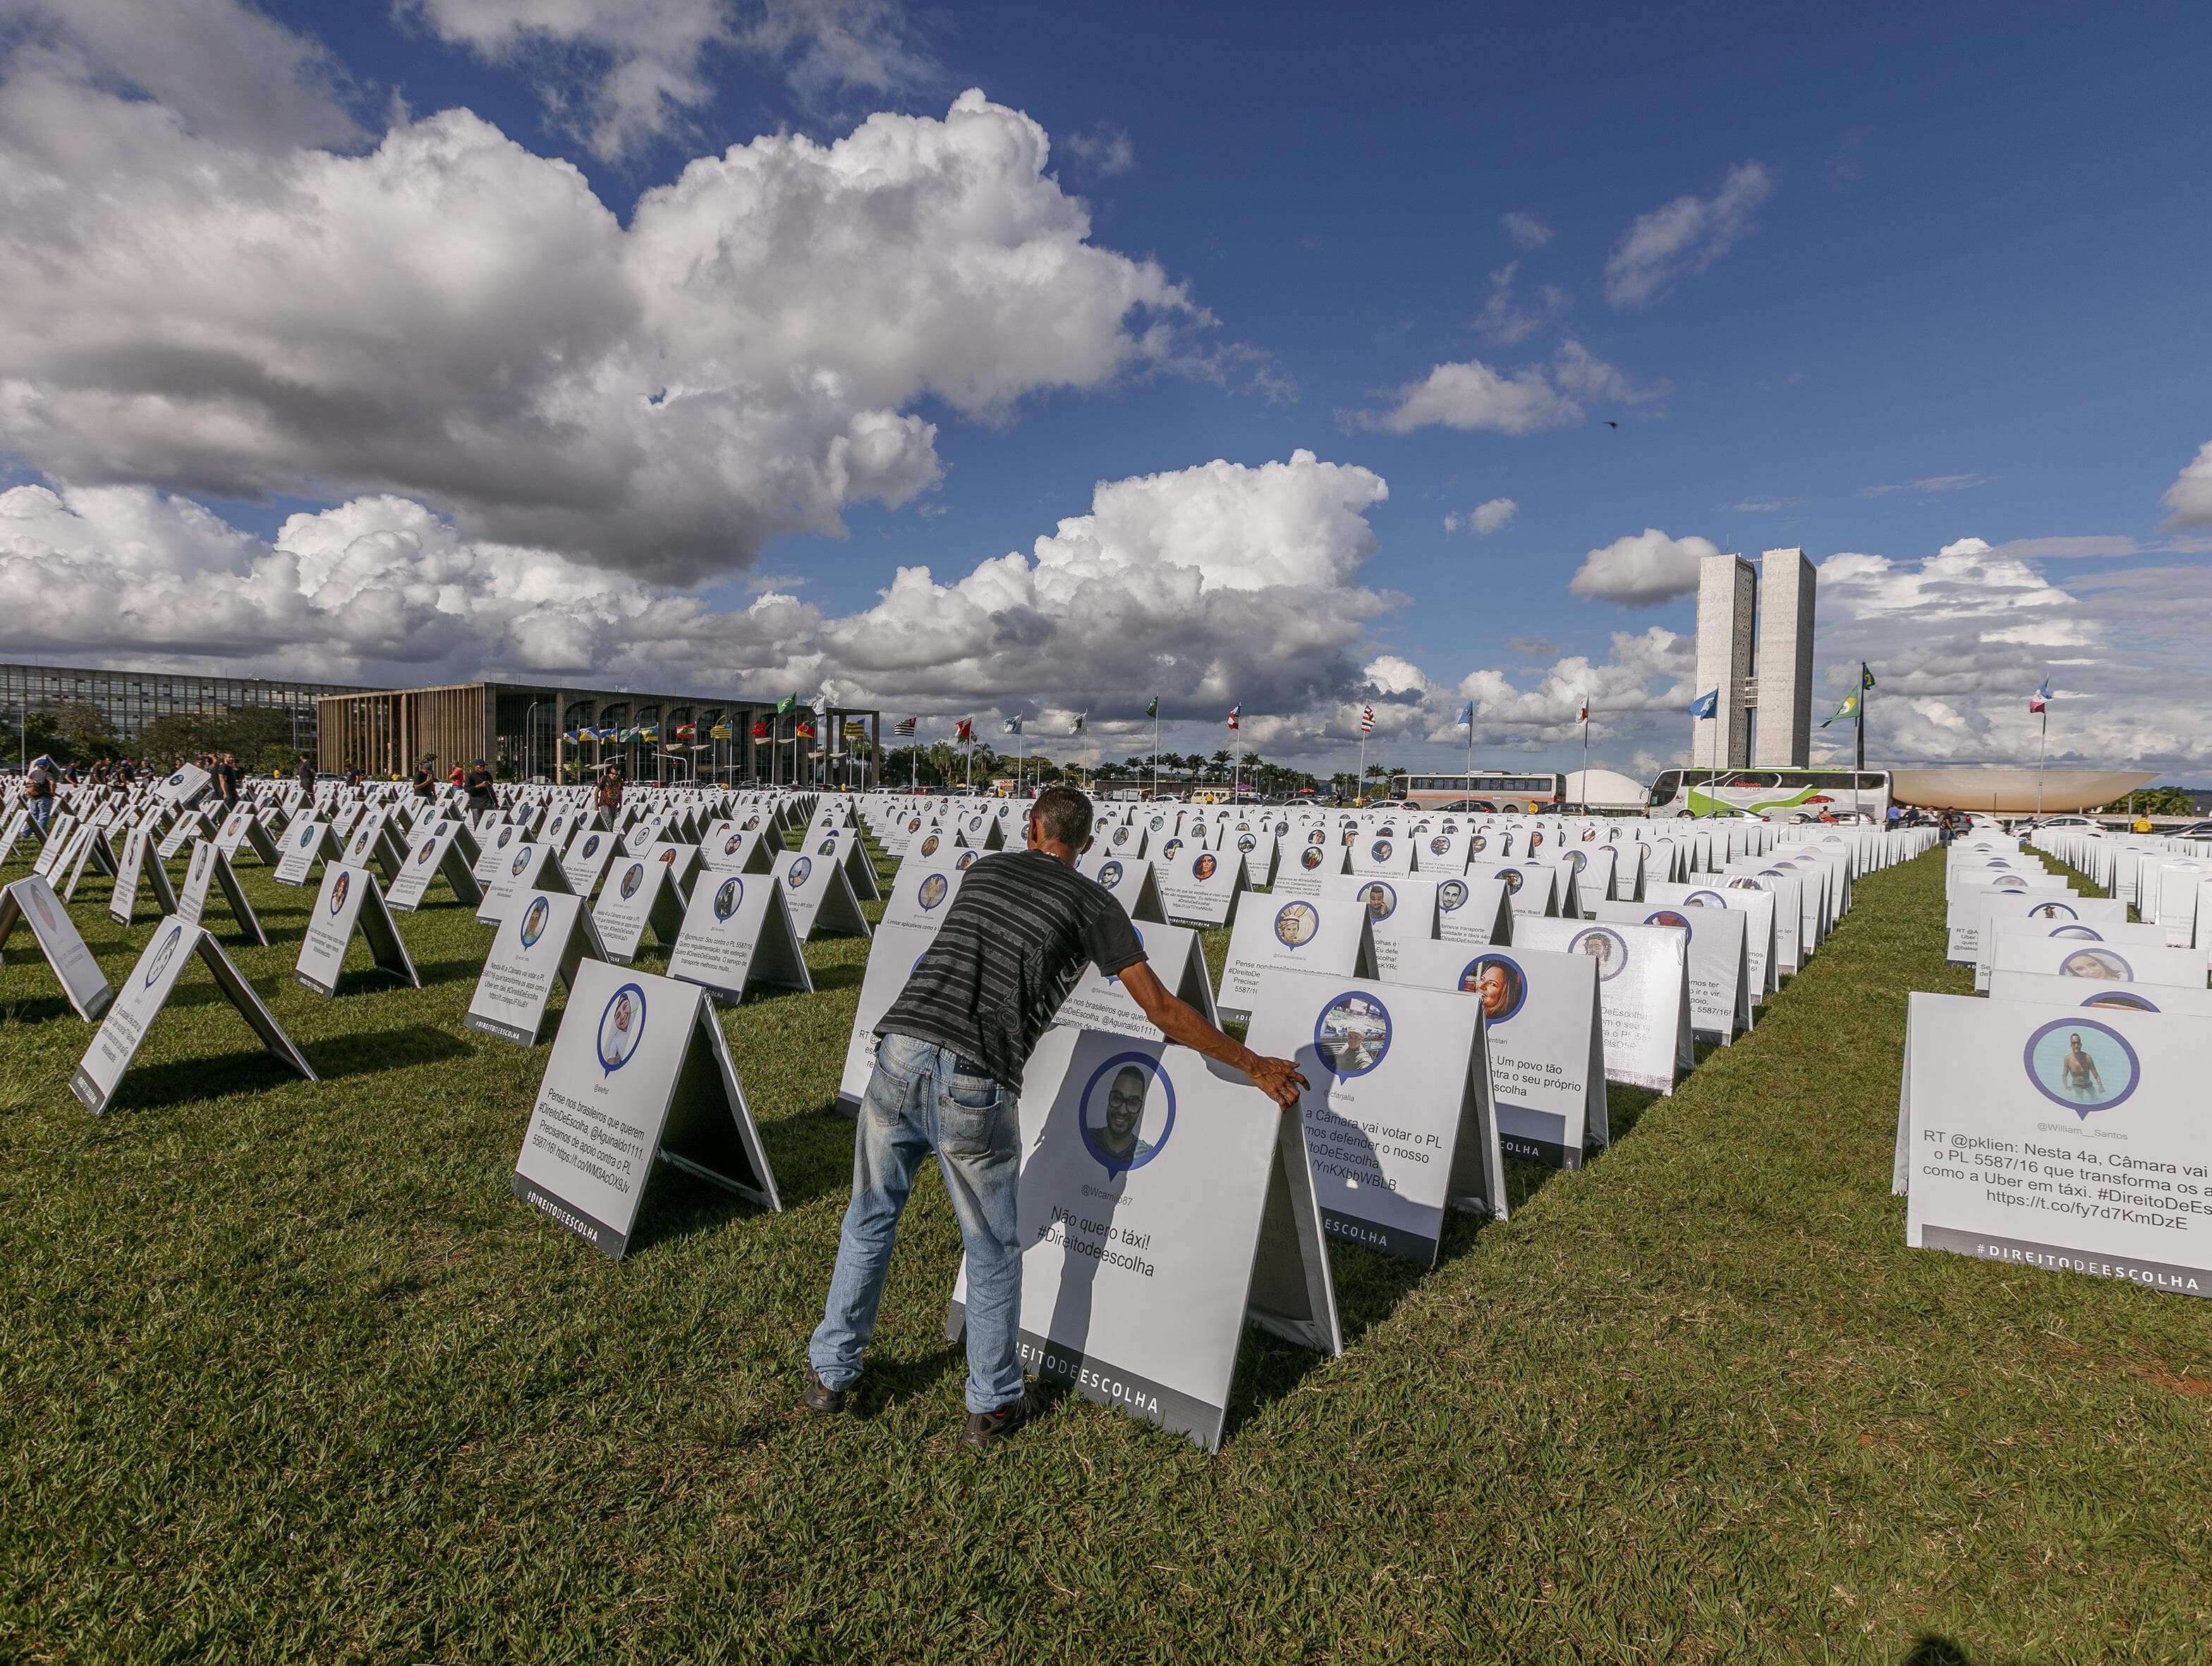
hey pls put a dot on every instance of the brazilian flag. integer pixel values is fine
(1848, 709)
(1865, 677)
(1153, 710)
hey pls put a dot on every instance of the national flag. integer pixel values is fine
(1013, 726)
(1153, 710)
(1081, 718)
(905, 727)
(1466, 714)
(1706, 704)
(1235, 712)
(786, 704)
(965, 731)
(1865, 677)
(1367, 721)
(2039, 701)
(1848, 709)
(1583, 716)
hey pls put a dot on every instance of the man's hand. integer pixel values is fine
(1279, 1079)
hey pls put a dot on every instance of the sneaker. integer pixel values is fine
(987, 1428)
(820, 1397)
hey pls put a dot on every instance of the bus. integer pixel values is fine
(1482, 793)
(1780, 795)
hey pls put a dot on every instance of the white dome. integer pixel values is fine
(1605, 789)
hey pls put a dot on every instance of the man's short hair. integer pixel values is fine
(1062, 815)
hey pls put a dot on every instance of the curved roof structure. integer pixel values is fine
(2007, 792)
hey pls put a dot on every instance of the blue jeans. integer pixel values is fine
(919, 1100)
(42, 811)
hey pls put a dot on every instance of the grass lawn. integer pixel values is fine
(285, 1372)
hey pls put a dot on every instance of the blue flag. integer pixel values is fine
(1706, 704)
(1466, 715)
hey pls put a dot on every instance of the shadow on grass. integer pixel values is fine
(433, 972)
(38, 1009)
(337, 1057)
(813, 1153)
(189, 1081)
(677, 1204)
(1932, 1650)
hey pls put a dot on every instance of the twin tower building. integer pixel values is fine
(1755, 645)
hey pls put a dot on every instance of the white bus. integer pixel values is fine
(1482, 793)
(1779, 795)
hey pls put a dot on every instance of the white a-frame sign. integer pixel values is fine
(32, 898)
(306, 844)
(1164, 1202)
(210, 869)
(147, 991)
(638, 891)
(543, 937)
(140, 862)
(448, 852)
(738, 933)
(350, 901)
(528, 868)
(638, 1071)
(1399, 1122)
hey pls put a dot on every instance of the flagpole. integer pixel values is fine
(1586, 749)
(1861, 754)
(2042, 749)
(1156, 749)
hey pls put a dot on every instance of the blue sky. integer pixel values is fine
(1930, 279)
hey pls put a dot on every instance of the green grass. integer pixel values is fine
(286, 1373)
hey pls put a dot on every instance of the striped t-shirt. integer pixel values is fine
(1012, 946)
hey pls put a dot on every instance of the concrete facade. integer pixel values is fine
(1787, 583)
(1728, 604)
(1755, 645)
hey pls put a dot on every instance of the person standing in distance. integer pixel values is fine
(949, 1059)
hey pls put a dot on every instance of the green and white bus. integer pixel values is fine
(1779, 795)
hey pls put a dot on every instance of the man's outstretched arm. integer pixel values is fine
(1183, 1024)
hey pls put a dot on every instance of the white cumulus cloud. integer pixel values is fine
(1471, 395)
(448, 317)
(1642, 570)
(2190, 497)
(1484, 518)
(1685, 236)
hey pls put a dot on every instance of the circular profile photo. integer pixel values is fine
(1296, 924)
(1669, 917)
(1606, 946)
(1439, 845)
(668, 856)
(1310, 858)
(2088, 932)
(2081, 1064)
(1536, 842)
(1352, 1034)
(1110, 874)
(1121, 836)
(1576, 861)
(1513, 879)
(913, 824)
(2102, 964)
(521, 860)
(1705, 899)
(158, 962)
(1478, 843)
(1451, 896)
(1205, 867)
(967, 859)
(799, 873)
(307, 836)
(1997, 861)
(1501, 983)
(1379, 851)
(632, 879)
(1158, 823)
(1588, 835)
(1282, 829)
(749, 825)
(338, 891)
(1745, 882)
(1382, 901)
(177, 779)
(827, 847)
(1349, 834)
(533, 922)
(929, 845)
(1318, 835)
(2009, 882)
(1128, 1110)
(2052, 911)
(931, 891)
(506, 838)
(591, 848)
(621, 1027)
(2126, 1001)
(727, 898)
(553, 828)
(1247, 844)
(1171, 849)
